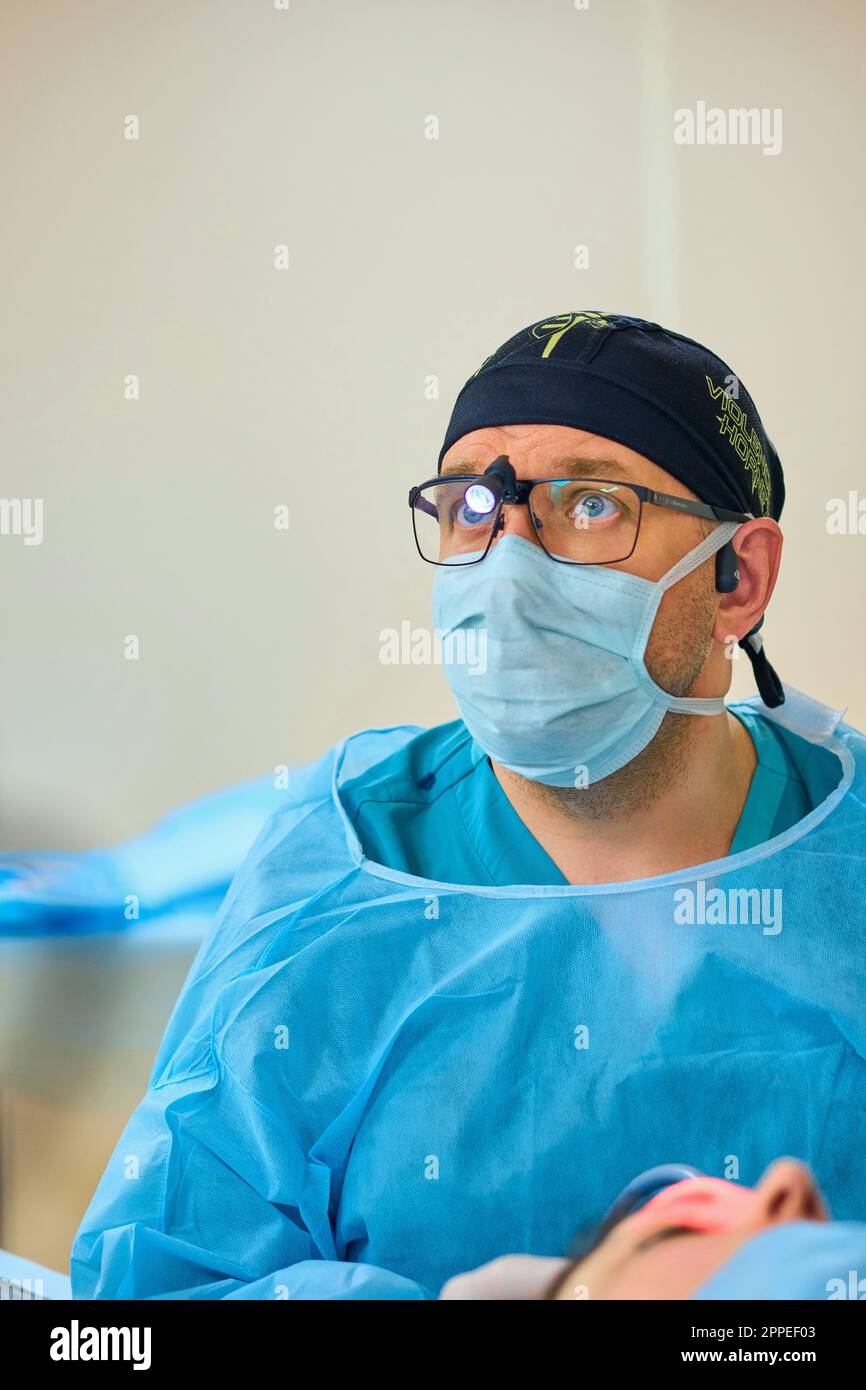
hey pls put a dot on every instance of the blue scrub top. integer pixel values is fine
(436, 810)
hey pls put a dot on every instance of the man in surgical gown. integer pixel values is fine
(471, 979)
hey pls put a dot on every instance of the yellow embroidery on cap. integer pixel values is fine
(555, 328)
(745, 441)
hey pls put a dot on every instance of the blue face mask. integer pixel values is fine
(557, 688)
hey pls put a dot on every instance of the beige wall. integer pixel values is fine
(408, 257)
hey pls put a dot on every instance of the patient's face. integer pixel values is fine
(633, 1265)
(672, 1246)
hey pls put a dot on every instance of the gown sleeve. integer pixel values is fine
(182, 1212)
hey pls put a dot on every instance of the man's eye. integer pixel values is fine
(592, 506)
(466, 517)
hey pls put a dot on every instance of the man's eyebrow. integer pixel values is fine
(591, 468)
(559, 468)
(461, 468)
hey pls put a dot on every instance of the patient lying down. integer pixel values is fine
(696, 1237)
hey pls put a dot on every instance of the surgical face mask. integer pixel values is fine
(563, 696)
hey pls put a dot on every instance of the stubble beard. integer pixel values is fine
(675, 658)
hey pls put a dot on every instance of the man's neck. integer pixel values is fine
(677, 804)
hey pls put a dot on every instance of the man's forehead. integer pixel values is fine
(545, 450)
(558, 451)
(550, 465)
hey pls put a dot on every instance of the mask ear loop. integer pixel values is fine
(770, 687)
(688, 562)
(724, 532)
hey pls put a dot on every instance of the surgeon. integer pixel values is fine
(674, 1233)
(470, 979)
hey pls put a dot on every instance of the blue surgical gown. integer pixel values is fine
(435, 808)
(373, 1080)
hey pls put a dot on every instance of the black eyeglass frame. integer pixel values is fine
(514, 491)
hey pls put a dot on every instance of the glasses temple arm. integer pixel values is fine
(421, 504)
(683, 504)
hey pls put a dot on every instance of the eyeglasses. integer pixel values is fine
(577, 521)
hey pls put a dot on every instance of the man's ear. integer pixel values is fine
(758, 545)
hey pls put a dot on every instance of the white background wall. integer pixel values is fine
(408, 257)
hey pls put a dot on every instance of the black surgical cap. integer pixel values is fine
(659, 393)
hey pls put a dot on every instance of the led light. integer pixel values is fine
(479, 499)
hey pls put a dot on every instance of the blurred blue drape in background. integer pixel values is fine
(172, 879)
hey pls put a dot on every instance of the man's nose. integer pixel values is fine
(515, 521)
